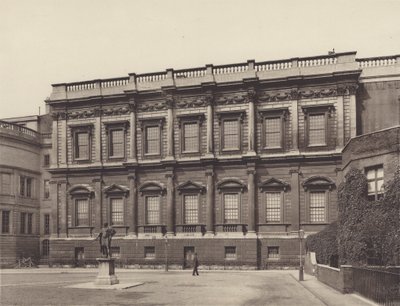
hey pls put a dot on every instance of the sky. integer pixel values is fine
(44, 42)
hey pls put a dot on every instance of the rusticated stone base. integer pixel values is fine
(106, 274)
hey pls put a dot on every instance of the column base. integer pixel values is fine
(106, 274)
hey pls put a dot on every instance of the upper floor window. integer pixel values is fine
(25, 186)
(152, 210)
(5, 221)
(22, 223)
(317, 190)
(46, 224)
(116, 132)
(117, 211)
(190, 133)
(5, 183)
(272, 133)
(46, 160)
(317, 124)
(375, 181)
(152, 137)
(81, 212)
(81, 195)
(81, 142)
(231, 131)
(46, 189)
(191, 209)
(30, 223)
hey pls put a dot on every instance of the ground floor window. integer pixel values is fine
(149, 252)
(230, 252)
(273, 252)
(5, 222)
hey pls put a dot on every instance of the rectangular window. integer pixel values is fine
(191, 137)
(82, 145)
(22, 224)
(46, 189)
(30, 227)
(152, 210)
(316, 129)
(152, 145)
(273, 207)
(5, 183)
(28, 187)
(375, 182)
(82, 212)
(273, 252)
(117, 143)
(46, 160)
(191, 209)
(22, 185)
(46, 224)
(5, 222)
(149, 252)
(273, 136)
(231, 134)
(117, 211)
(317, 206)
(230, 252)
(231, 207)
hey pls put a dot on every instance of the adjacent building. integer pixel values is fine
(226, 161)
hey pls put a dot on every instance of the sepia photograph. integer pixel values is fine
(200, 152)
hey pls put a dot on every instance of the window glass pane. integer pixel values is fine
(379, 185)
(273, 132)
(379, 172)
(82, 145)
(22, 223)
(231, 134)
(273, 205)
(28, 187)
(371, 187)
(371, 174)
(153, 140)
(22, 185)
(191, 211)
(191, 134)
(152, 210)
(5, 221)
(117, 143)
(316, 129)
(231, 207)
(82, 212)
(317, 206)
(5, 183)
(46, 224)
(117, 211)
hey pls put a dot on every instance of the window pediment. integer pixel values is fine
(318, 182)
(273, 184)
(81, 190)
(115, 189)
(152, 188)
(231, 184)
(190, 186)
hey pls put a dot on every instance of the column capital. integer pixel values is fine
(251, 171)
(132, 177)
(97, 180)
(251, 95)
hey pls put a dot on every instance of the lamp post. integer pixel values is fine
(166, 253)
(301, 272)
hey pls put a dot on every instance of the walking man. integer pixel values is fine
(195, 265)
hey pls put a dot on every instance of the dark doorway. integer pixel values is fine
(79, 257)
(188, 257)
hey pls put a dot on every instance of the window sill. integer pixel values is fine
(317, 145)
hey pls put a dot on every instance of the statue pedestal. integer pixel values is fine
(106, 274)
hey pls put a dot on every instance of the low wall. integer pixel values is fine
(310, 263)
(339, 279)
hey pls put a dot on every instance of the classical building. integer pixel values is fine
(226, 161)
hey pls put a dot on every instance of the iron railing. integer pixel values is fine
(380, 286)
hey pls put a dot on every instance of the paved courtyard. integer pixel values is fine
(50, 287)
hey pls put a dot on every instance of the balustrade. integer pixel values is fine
(151, 77)
(274, 65)
(377, 61)
(228, 69)
(190, 73)
(317, 61)
(18, 129)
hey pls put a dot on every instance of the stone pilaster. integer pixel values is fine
(251, 199)
(295, 199)
(353, 116)
(63, 208)
(133, 148)
(98, 140)
(295, 125)
(54, 141)
(170, 202)
(210, 121)
(210, 201)
(97, 202)
(251, 128)
(54, 219)
(63, 144)
(170, 127)
(132, 205)
(340, 122)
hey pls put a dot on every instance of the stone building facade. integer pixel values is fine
(226, 161)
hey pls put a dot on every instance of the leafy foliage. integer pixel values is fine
(324, 244)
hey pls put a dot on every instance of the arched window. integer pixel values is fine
(317, 190)
(273, 200)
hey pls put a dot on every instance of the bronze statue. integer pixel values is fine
(105, 236)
